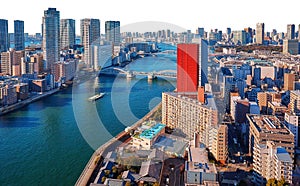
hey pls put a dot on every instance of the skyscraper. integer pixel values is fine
(260, 33)
(90, 36)
(67, 33)
(188, 67)
(289, 81)
(191, 66)
(200, 32)
(50, 45)
(290, 34)
(3, 35)
(112, 32)
(290, 46)
(19, 35)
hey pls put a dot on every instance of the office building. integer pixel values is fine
(50, 45)
(90, 36)
(290, 46)
(294, 104)
(184, 112)
(201, 32)
(289, 81)
(260, 33)
(271, 161)
(239, 37)
(198, 170)
(192, 62)
(290, 34)
(4, 41)
(112, 32)
(291, 121)
(67, 33)
(265, 128)
(19, 39)
(64, 70)
(263, 98)
(219, 143)
(11, 62)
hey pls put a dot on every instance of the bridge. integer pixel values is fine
(131, 74)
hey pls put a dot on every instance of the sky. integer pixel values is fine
(187, 14)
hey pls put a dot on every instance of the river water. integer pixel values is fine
(50, 141)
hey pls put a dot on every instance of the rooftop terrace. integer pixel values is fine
(152, 132)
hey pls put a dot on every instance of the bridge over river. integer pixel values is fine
(131, 74)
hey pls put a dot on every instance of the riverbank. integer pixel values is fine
(100, 153)
(14, 107)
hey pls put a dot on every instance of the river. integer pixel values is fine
(50, 141)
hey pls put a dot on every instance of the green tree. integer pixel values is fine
(114, 169)
(128, 183)
(107, 172)
(103, 179)
(155, 184)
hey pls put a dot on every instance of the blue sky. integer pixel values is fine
(188, 14)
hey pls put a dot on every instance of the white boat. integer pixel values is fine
(96, 97)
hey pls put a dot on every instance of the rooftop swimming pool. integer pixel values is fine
(152, 132)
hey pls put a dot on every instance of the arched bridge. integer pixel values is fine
(130, 74)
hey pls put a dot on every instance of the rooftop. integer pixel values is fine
(201, 167)
(268, 124)
(198, 155)
(283, 155)
(192, 98)
(153, 131)
(296, 92)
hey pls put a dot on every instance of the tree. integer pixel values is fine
(119, 176)
(103, 179)
(114, 169)
(274, 182)
(155, 184)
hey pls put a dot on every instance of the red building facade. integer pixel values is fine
(187, 67)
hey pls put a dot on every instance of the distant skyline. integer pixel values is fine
(187, 14)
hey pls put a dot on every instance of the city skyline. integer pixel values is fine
(135, 12)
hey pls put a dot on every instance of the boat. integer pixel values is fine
(97, 96)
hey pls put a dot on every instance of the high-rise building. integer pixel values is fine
(289, 81)
(260, 33)
(50, 29)
(290, 46)
(240, 37)
(291, 121)
(271, 161)
(67, 33)
(191, 66)
(19, 39)
(219, 143)
(265, 128)
(11, 62)
(184, 112)
(294, 105)
(200, 32)
(290, 34)
(90, 36)
(4, 44)
(299, 32)
(228, 31)
(112, 32)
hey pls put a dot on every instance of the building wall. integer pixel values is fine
(188, 115)
(187, 67)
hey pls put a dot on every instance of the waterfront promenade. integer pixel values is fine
(10, 108)
(90, 171)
